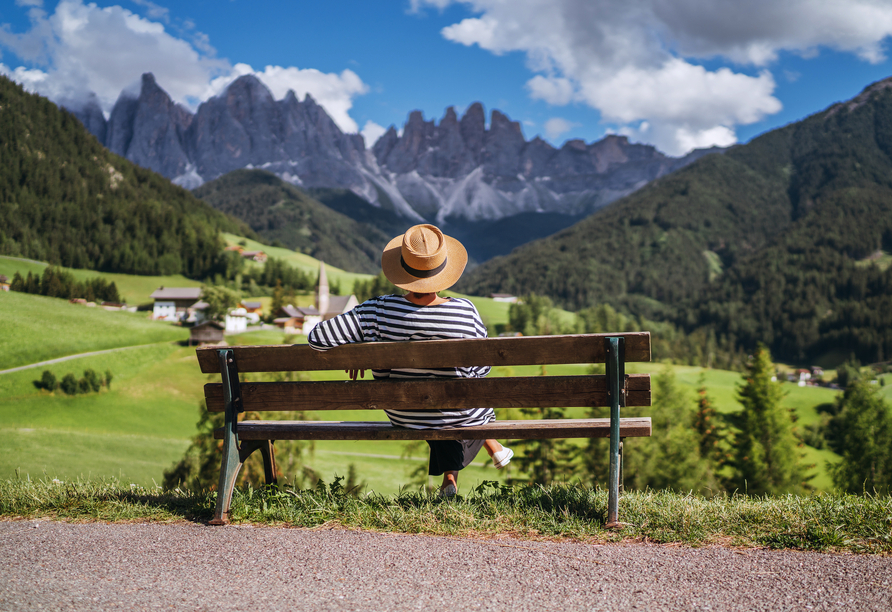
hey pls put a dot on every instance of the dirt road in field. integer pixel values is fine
(58, 566)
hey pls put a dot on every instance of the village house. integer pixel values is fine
(253, 310)
(172, 303)
(504, 297)
(4, 283)
(294, 319)
(258, 256)
(209, 332)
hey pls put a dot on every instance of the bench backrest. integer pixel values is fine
(496, 392)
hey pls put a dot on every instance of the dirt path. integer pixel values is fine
(77, 356)
(58, 566)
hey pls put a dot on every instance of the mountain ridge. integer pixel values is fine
(455, 169)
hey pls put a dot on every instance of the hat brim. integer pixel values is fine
(456, 260)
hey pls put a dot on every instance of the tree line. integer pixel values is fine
(59, 283)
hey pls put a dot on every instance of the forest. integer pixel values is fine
(67, 200)
(779, 241)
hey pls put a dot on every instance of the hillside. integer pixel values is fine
(769, 242)
(66, 199)
(279, 211)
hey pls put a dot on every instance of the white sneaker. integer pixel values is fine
(502, 458)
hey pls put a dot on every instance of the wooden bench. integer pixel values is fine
(615, 389)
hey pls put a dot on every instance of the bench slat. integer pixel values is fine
(530, 350)
(382, 430)
(458, 394)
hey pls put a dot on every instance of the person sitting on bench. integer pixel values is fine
(423, 262)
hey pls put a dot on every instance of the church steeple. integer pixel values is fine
(322, 291)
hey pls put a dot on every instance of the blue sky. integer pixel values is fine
(674, 73)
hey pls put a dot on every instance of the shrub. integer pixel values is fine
(92, 379)
(47, 381)
(69, 384)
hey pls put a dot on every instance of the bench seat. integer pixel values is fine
(383, 430)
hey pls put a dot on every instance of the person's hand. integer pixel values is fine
(354, 374)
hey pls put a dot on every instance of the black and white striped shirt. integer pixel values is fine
(393, 318)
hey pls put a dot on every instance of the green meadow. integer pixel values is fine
(34, 328)
(133, 289)
(144, 422)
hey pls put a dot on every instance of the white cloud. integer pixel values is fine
(557, 126)
(334, 92)
(82, 48)
(637, 60)
(371, 132)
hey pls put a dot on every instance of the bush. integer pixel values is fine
(69, 384)
(47, 381)
(92, 379)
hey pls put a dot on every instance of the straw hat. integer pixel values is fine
(424, 260)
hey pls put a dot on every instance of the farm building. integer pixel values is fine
(209, 332)
(172, 303)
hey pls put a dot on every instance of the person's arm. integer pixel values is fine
(342, 329)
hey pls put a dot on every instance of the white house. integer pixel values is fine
(172, 303)
(236, 321)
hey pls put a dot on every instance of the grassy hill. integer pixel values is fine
(768, 242)
(34, 328)
(142, 424)
(284, 214)
(66, 199)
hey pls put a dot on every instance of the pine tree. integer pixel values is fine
(864, 424)
(765, 454)
(670, 459)
(707, 424)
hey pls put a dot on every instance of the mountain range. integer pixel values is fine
(457, 170)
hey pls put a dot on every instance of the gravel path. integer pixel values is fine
(59, 566)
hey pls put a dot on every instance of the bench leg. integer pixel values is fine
(231, 462)
(268, 453)
(229, 469)
(615, 380)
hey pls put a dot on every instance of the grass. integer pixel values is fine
(134, 430)
(34, 328)
(825, 523)
(133, 289)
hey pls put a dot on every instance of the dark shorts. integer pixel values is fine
(452, 455)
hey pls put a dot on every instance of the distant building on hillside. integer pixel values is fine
(4, 283)
(301, 320)
(209, 332)
(504, 297)
(259, 256)
(296, 319)
(172, 303)
(253, 310)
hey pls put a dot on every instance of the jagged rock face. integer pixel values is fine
(149, 129)
(89, 112)
(460, 169)
(454, 169)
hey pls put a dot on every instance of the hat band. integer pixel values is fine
(422, 273)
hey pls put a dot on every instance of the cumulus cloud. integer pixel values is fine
(556, 126)
(371, 132)
(82, 48)
(334, 92)
(638, 61)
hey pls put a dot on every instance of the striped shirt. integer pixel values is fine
(393, 318)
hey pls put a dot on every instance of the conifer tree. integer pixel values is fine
(864, 426)
(765, 454)
(670, 459)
